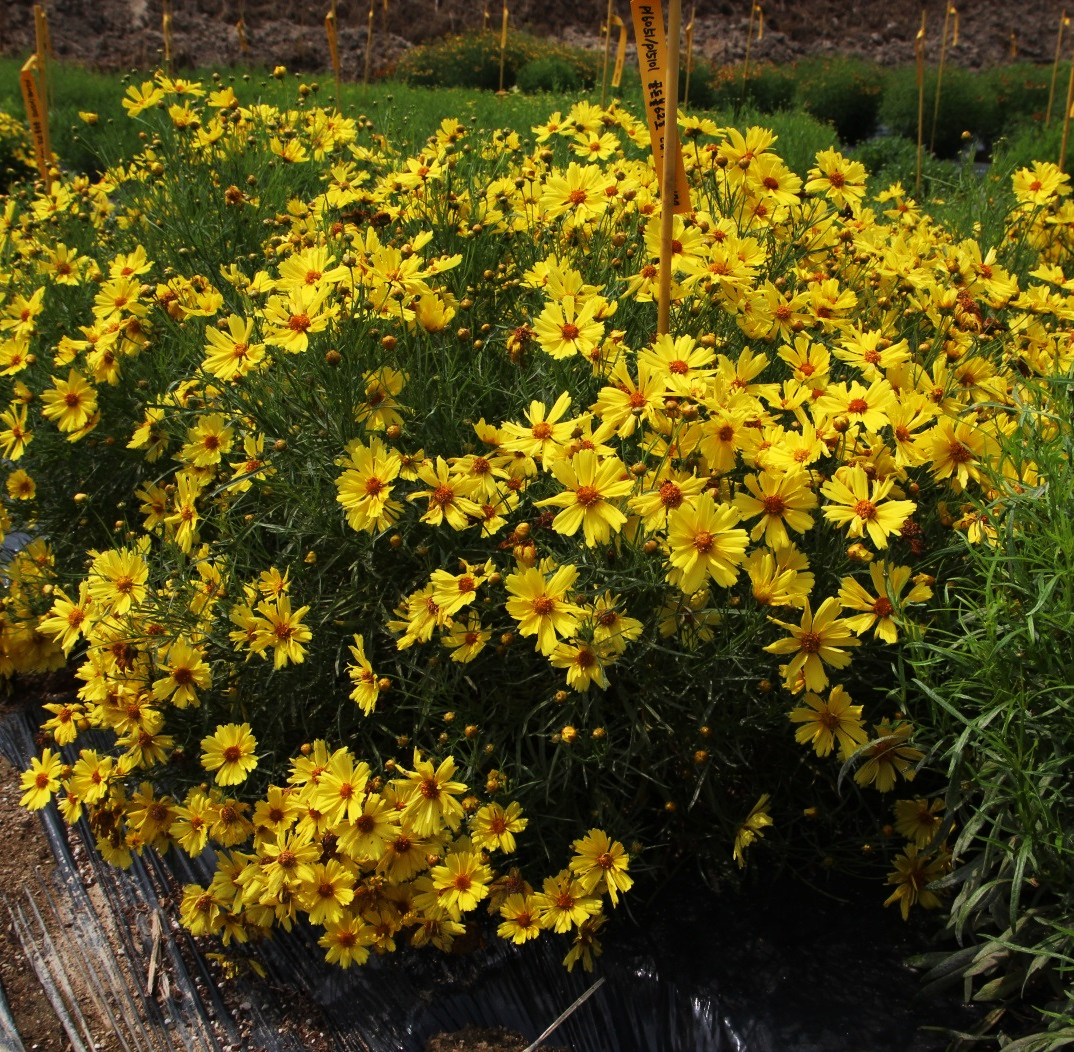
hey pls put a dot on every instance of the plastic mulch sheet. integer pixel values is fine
(786, 969)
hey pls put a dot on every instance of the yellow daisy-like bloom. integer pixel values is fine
(15, 436)
(877, 611)
(590, 484)
(585, 663)
(863, 507)
(825, 724)
(782, 501)
(579, 192)
(494, 827)
(839, 180)
(91, 776)
(562, 330)
(365, 838)
(820, 639)
(467, 640)
(365, 486)
(547, 430)
(117, 580)
(70, 404)
(462, 882)
(208, 441)
(751, 829)
(230, 753)
(564, 903)
(919, 820)
(447, 500)
(229, 352)
(41, 780)
(540, 605)
(888, 757)
(20, 486)
(912, 876)
(328, 892)
(291, 320)
(186, 674)
(704, 543)
(367, 686)
(601, 864)
(521, 919)
(63, 724)
(347, 941)
(957, 450)
(431, 803)
(280, 628)
(340, 789)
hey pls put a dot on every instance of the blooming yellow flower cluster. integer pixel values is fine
(394, 407)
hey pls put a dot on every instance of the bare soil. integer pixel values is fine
(122, 34)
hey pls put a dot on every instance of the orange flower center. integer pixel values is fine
(810, 642)
(232, 753)
(857, 405)
(299, 322)
(774, 505)
(373, 486)
(587, 496)
(960, 453)
(570, 332)
(543, 605)
(865, 509)
(882, 607)
(670, 495)
(443, 495)
(703, 542)
(542, 431)
(577, 197)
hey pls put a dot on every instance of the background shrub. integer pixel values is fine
(548, 74)
(846, 92)
(767, 88)
(966, 105)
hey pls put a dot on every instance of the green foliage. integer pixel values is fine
(473, 61)
(846, 92)
(1021, 91)
(996, 676)
(548, 74)
(764, 88)
(966, 105)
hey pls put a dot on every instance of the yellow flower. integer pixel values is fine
(117, 580)
(563, 331)
(704, 543)
(447, 500)
(820, 639)
(208, 441)
(229, 354)
(521, 919)
(601, 864)
(462, 882)
(71, 403)
(367, 687)
(879, 610)
(751, 829)
(230, 753)
(328, 891)
(347, 940)
(862, 507)
(913, 874)
(21, 486)
(782, 501)
(888, 756)
(590, 483)
(494, 827)
(364, 488)
(280, 628)
(41, 780)
(186, 673)
(919, 820)
(563, 902)
(467, 640)
(540, 605)
(825, 724)
(431, 802)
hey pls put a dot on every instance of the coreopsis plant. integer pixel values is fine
(384, 466)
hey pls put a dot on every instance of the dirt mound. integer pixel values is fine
(127, 33)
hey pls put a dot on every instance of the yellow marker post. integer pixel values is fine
(689, 32)
(659, 65)
(486, 26)
(240, 29)
(1063, 23)
(43, 50)
(166, 30)
(1014, 44)
(333, 51)
(620, 52)
(939, 75)
(607, 55)
(919, 53)
(1066, 121)
(36, 114)
(368, 44)
(503, 45)
(755, 9)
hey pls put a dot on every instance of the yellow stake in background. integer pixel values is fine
(43, 50)
(368, 43)
(1063, 23)
(607, 55)
(240, 28)
(503, 45)
(1066, 121)
(939, 73)
(689, 33)
(919, 52)
(166, 30)
(620, 52)
(658, 62)
(36, 114)
(755, 9)
(333, 51)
